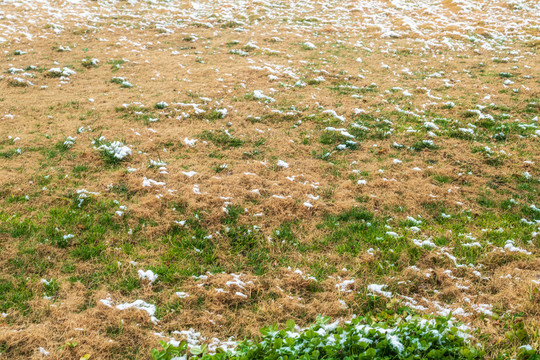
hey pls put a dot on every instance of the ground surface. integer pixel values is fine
(278, 160)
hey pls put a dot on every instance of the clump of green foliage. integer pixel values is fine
(383, 337)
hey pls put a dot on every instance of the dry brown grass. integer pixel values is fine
(204, 69)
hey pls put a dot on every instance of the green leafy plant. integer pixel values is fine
(383, 337)
(169, 351)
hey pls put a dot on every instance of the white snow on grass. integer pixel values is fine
(189, 173)
(343, 286)
(282, 164)
(62, 72)
(511, 246)
(149, 183)
(141, 305)
(69, 142)
(423, 243)
(379, 290)
(258, 94)
(147, 275)
(117, 149)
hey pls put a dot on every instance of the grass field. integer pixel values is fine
(175, 170)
